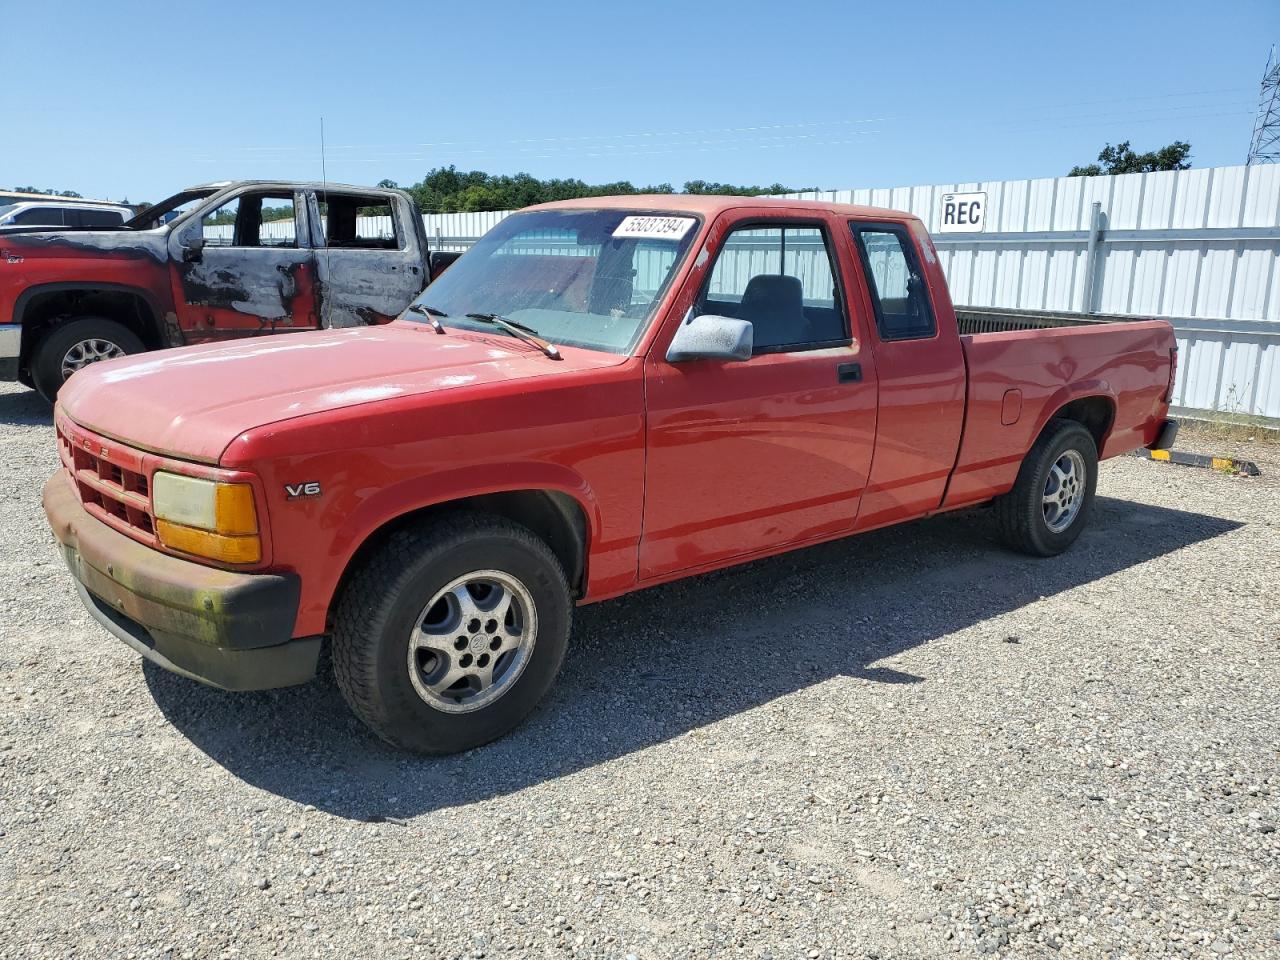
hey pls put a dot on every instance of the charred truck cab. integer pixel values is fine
(215, 262)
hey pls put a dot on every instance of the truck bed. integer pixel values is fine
(1017, 376)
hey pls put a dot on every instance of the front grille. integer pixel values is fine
(110, 480)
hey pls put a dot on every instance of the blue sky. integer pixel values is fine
(139, 99)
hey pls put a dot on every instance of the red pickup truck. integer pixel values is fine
(601, 395)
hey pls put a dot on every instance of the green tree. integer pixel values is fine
(1122, 159)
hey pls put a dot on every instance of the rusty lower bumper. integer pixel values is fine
(229, 630)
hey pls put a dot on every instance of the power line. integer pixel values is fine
(752, 130)
(670, 143)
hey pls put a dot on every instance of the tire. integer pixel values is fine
(1027, 519)
(77, 343)
(395, 645)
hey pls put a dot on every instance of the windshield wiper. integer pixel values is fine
(431, 313)
(519, 331)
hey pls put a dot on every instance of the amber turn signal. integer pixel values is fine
(204, 543)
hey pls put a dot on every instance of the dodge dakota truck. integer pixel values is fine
(219, 261)
(601, 395)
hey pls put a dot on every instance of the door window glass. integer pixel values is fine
(780, 278)
(252, 220)
(40, 217)
(220, 224)
(278, 224)
(898, 290)
(99, 218)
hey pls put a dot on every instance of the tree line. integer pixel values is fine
(450, 190)
(1124, 159)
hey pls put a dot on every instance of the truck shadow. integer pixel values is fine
(22, 407)
(654, 665)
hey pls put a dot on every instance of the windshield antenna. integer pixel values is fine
(324, 234)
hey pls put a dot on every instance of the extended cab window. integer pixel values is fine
(354, 222)
(780, 278)
(899, 293)
(252, 220)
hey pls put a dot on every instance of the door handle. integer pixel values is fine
(849, 373)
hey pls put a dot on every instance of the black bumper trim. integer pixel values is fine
(1166, 437)
(226, 629)
(263, 668)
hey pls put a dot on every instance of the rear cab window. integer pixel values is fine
(899, 292)
(359, 222)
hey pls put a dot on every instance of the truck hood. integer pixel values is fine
(192, 402)
(69, 243)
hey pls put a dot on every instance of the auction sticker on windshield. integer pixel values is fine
(654, 228)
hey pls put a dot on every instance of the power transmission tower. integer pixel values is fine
(1265, 147)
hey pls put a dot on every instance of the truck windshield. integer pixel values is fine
(167, 210)
(587, 278)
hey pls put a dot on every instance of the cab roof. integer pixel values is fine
(320, 185)
(710, 205)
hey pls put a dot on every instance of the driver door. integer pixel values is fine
(246, 268)
(748, 457)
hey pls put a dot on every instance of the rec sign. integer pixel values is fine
(962, 213)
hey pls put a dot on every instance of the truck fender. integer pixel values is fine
(24, 299)
(65, 286)
(395, 503)
(1069, 393)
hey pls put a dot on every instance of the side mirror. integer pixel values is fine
(710, 337)
(440, 261)
(193, 249)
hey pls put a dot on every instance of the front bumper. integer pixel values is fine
(229, 630)
(10, 348)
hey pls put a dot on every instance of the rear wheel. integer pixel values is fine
(1050, 502)
(75, 344)
(449, 635)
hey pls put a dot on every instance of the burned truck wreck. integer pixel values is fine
(215, 262)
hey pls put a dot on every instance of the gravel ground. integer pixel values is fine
(909, 744)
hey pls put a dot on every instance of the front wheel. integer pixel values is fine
(449, 635)
(75, 344)
(1050, 502)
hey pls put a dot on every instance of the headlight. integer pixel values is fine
(207, 518)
